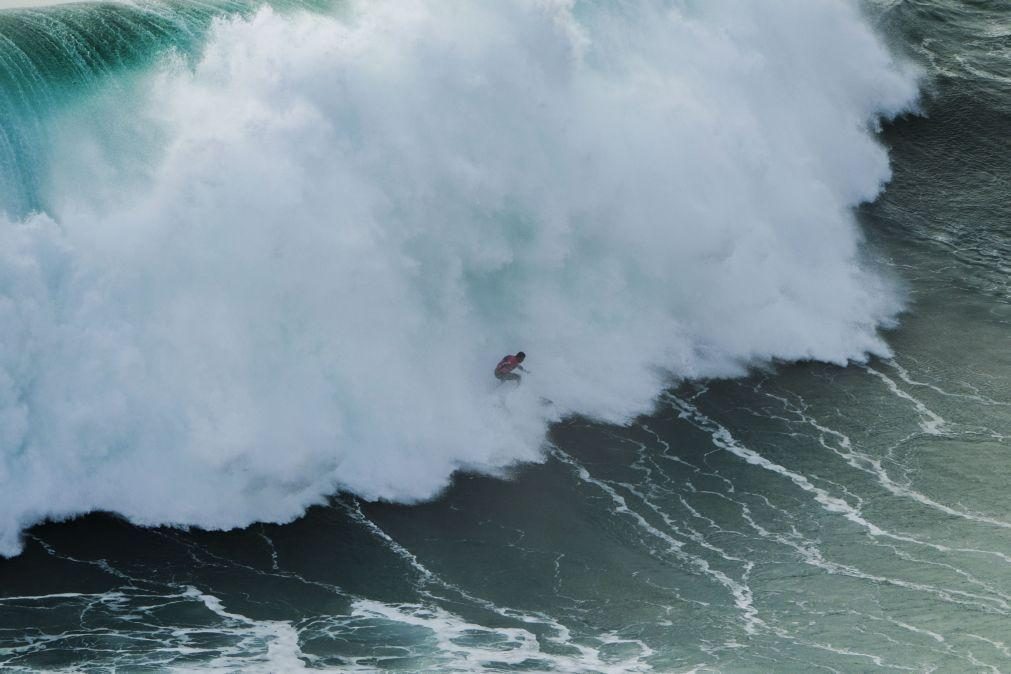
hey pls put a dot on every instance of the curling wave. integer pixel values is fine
(287, 267)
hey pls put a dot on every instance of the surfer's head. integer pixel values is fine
(520, 356)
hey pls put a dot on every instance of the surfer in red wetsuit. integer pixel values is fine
(505, 367)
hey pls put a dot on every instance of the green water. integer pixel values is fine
(808, 517)
(53, 57)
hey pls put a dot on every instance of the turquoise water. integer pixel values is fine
(55, 56)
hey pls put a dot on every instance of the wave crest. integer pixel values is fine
(290, 269)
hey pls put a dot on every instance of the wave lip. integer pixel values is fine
(294, 267)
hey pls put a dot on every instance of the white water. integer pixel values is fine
(290, 269)
(18, 4)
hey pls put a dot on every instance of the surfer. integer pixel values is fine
(505, 367)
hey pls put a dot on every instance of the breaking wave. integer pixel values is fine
(283, 262)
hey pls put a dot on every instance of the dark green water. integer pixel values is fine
(806, 517)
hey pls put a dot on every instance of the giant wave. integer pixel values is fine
(287, 268)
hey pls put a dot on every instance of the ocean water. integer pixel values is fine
(258, 259)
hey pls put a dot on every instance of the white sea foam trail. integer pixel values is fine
(931, 422)
(905, 376)
(288, 268)
(513, 644)
(721, 437)
(841, 445)
(740, 590)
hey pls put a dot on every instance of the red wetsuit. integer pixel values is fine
(505, 367)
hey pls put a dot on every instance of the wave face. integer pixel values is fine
(287, 266)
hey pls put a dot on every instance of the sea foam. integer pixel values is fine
(289, 268)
